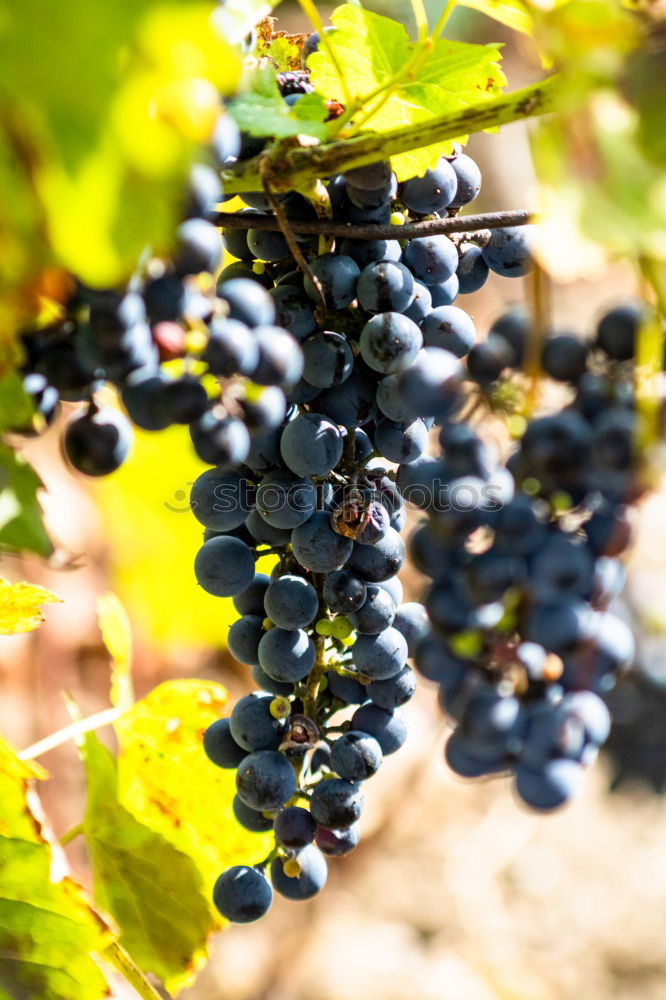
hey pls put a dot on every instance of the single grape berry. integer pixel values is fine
(337, 843)
(220, 746)
(356, 756)
(508, 251)
(250, 819)
(97, 442)
(389, 342)
(294, 828)
(242, 894)
(265, 780)
(336, 803)
(310, 880)
(337, 276)
(433, 192)
(224, 566)
(291, 602)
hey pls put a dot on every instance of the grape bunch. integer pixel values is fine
(179, 347)
(326, 631)
(312, 382)
(327, 635)
(524, 566)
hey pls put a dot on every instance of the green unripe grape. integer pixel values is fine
(561, 502)
(341, 627)
(280, 708)
(466, 644)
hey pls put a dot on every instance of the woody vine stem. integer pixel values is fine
(294, 166)
(371, 231)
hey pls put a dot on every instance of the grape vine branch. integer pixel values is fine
(295, 167)
(376, 231)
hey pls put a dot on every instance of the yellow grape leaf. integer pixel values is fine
(48, 930)
(20, 606)
(21, 523)
(153, 539)
(166, 779)
(152, 890)
(117, 637)
(417, 161)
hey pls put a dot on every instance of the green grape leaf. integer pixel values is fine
(376, 54)
(151, 889)
(48, 930)
(16, 407)
(513, 13)
(369, 49)
(21, 525)
(310, 108)
(456, 76)
(261, 110)
(164, 776)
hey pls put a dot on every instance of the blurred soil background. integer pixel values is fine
(455, 892)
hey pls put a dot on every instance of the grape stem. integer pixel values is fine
(374, 231)
(267, 860)
(72, 834)
(314, 677)
(539, 293)
(116, 956)
(443, 18)
(650, 352)
(287, 230)
(349, 450)
(343, 672)
(72, 732)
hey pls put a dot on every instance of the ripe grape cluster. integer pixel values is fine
(522, 644)
(326, 635)
(312, 373)
(168, 342)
